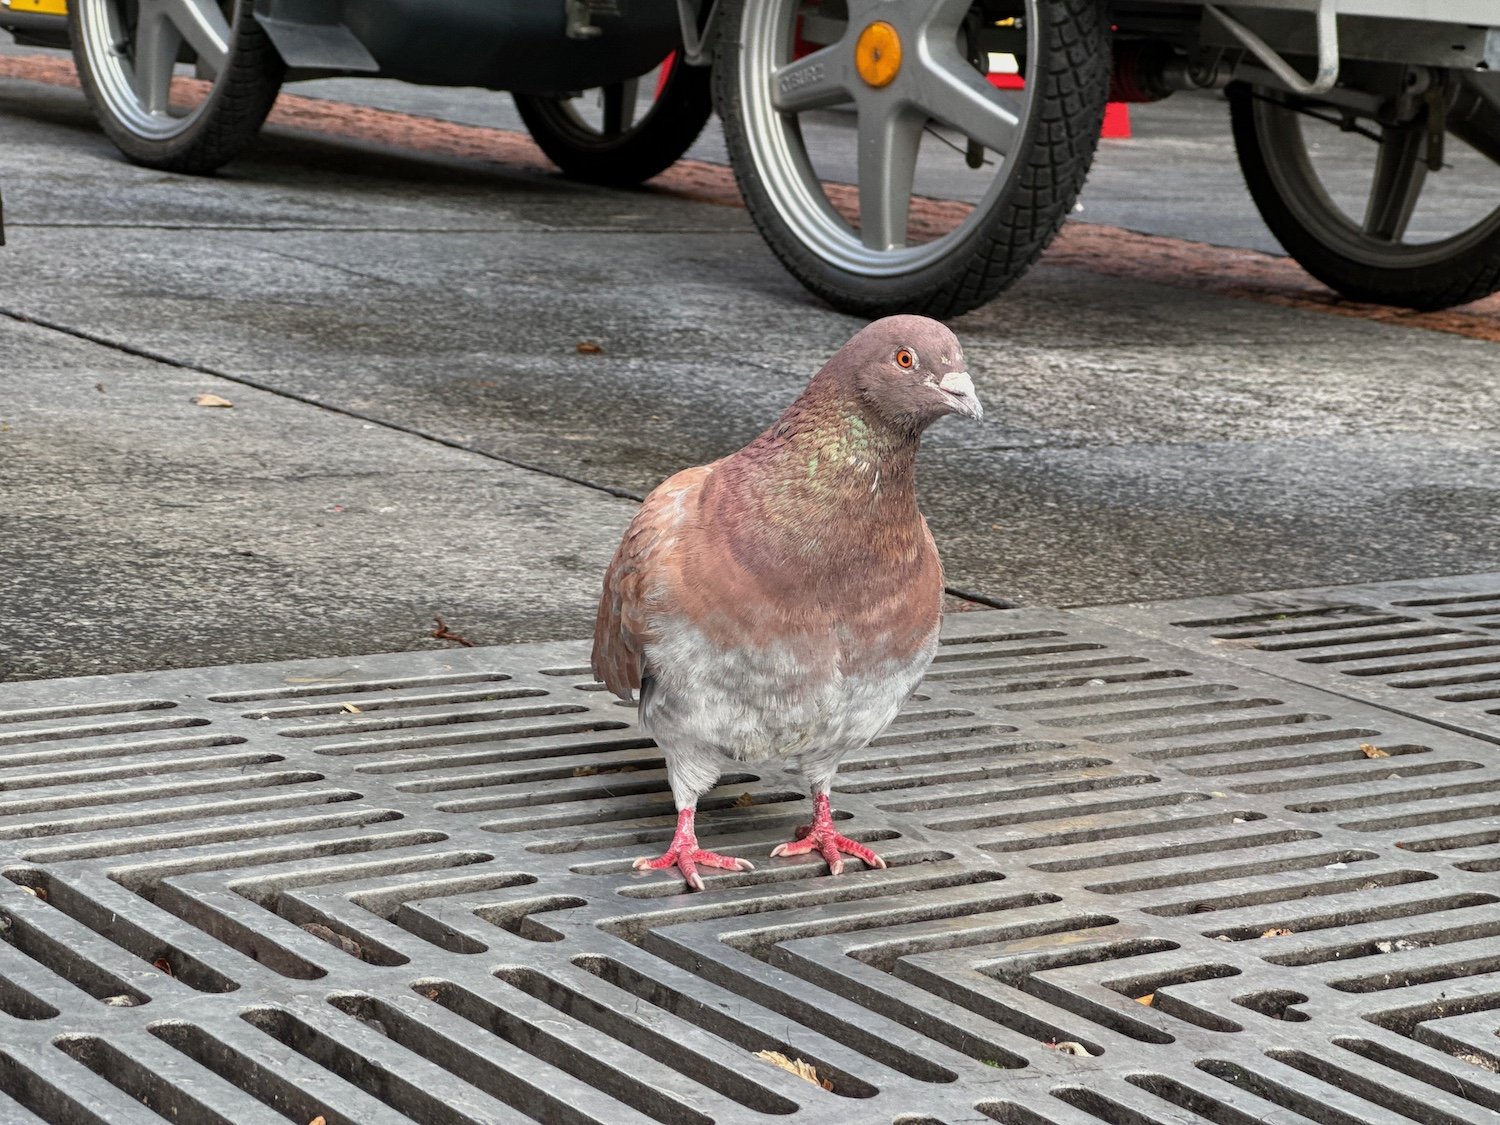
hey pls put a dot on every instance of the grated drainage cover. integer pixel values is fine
(398, 888)
(1429, 647)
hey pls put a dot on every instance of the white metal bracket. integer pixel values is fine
(1326, 29)
(697, 42)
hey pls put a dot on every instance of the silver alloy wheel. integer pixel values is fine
(935, 82)
(1377, 237)
(133, 62)
(133, 59)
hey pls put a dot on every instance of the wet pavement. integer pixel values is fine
(415, 433)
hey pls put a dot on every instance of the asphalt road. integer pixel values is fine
(414, 433)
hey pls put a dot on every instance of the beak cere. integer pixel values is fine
(960, 391)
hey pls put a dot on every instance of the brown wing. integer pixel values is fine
(621, 630)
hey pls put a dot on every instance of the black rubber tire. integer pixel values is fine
(232, 114)
(1070, 85)
(1467, 275)
(648, 148)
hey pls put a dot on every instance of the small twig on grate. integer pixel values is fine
(442, 633)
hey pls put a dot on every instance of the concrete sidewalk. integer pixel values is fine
(398, 330)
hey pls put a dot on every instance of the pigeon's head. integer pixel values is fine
(910, 371)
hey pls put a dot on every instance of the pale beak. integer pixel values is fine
(960, 391)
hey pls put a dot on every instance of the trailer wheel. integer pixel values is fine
(1380, 245)
(612, 135)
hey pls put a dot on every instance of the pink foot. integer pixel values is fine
(822, 836)
(685, 854)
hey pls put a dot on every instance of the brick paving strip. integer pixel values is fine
(1095, 247)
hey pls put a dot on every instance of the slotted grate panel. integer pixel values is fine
(1428, 647)
(399, 888)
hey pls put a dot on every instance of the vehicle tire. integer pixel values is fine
(191, 125)
(1043, 135)
(1371, 257)
(620, 149)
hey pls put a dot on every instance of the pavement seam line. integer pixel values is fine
(280, 392)
(1095, 248)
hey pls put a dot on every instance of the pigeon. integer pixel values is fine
(780, 604)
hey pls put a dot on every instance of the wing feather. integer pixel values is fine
(643, 560)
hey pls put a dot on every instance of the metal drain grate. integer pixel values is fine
(1429, 647)
(399, 888)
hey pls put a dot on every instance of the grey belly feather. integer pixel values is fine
(708, 707)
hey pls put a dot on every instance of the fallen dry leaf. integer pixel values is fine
(1400, 945)
(1481, 1061)
(34, 892)
(588, 347)
(585, 771)
(1148, 999)
(1068, 1047)
(210, 400)
(1277, 932)
(744, 800)
(164, 965)
(804, 1070)
(318, 1120)
(352, 709)
(1372, 751)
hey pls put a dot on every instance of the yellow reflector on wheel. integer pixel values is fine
(40, 7)
(877, 54)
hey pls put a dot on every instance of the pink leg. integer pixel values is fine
(685, 854)
(821, 834)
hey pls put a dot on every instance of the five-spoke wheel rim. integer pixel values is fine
(1378, 236)
(617, 111)
(933, 82)
(133, 48)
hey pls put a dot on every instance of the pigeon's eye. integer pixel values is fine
(906, 358)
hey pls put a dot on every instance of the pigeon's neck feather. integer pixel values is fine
(811, 537)
(830, 449)
(828, 493)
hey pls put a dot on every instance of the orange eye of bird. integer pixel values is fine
(905, 358)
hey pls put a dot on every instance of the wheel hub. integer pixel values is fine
(877, 54)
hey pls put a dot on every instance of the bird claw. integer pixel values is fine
(685, 854)
(822, 837)
(829, 844)
(688, 859)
